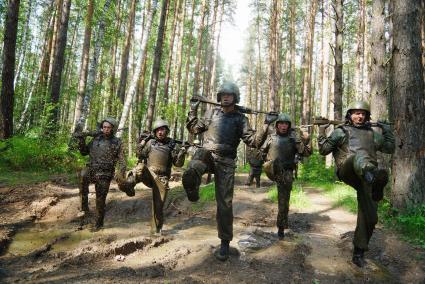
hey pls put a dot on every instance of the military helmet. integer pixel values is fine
(359, 105)
(283, 117)
(228, 88)
(160, 123)
(112, 121)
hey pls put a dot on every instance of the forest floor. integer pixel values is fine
(41, 241)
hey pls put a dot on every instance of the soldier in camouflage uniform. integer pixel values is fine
(104, 151)
(157, 154)
(354, 145)
(255, 161)
(223, 128)
(280, 150)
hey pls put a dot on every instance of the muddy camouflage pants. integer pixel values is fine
(284, 187)
(254, 173)
(102, 183)
(159, 185)
(367, 215)
(224, 176)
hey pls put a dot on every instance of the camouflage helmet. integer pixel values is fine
(358, 105)
(112, 121)
(228, 88)
(160, 123)
(283, 117)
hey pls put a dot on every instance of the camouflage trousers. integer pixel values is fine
(223, 168)
(368, 195)
(254, 173)
(159, 186)
(102, 183)
(284, 187)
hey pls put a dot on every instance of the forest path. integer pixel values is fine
(46, 244)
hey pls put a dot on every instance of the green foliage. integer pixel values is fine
(33, 152)
(243, 168)
(313, 169)
(207, 192)
(298, 197)
(411, 223)
(343, 195)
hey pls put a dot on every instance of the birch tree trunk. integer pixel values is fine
(214, 55)
(408, 183)
(24, 44)
(8, 71)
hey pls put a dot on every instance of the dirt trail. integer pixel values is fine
(40, 230)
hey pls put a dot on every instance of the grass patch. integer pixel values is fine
(298, 197)
(206, 195)
(343, 195)
(243, 169)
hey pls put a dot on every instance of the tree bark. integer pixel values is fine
(126, 53)
(8, 72)
(58, 61)
(292, 82)
(24, 44)
(156, 65)
(408, 106)
(84, 63)
(358, 77)
(136, 75)
(339, 28)
(91, 79)
(274, 72)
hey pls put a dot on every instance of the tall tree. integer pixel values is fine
(274, 70)
(339, 29)
(156, 65)
(138, 69)
(378, 84)
(126, 53)
(8, 72)
(58, 60)
(292, 79)
(360, 52)
(84, 63)
(408, 187)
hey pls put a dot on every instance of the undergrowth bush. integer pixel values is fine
(33, 152)
(313, 169)
(298, 197)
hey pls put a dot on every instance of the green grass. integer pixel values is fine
(342, 195)
(298, 197)
(206, 195)
(243, 168)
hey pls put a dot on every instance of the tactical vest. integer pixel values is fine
(224, 133)
(358, 141)
(160, 156)
(283, 148)
(104, 153)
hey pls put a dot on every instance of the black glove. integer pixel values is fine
(270, 117)
(194, 104)
(385, 126)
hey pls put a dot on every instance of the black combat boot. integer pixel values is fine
(191, 182)
(358, 257)
(223, 253)
(379, 184)
(281, 233)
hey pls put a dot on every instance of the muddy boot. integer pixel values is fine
(223, 253)
(258, 183)
(379, 184)
(128, 185)
(191, 182)
(281, 233)
(358, 257)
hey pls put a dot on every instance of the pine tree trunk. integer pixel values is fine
(136, 75)
(199, 48)
(339, 28)
(358, 77)
(156, 65)
(126, 53)
(292, 82)
(84, 63)
(274, 76)
(8, 70)
(408, 106)
(214, 55)
(306, 114)
(58, 62)
(91, 79)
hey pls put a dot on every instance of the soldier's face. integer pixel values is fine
(227, 99)
(107, 128)
(282, 127)
(358, 116)
(161, 133)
